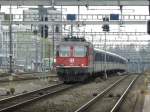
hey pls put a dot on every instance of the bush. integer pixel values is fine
(118, 95)
(7, 92)
(110, 95)
(97, 80)
(142, 91)
(94, 94)
(12, 90)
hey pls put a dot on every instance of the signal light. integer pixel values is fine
(105, 27)
(44, 28)
(106, 19)
(57, 29)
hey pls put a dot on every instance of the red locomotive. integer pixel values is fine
(77, 60)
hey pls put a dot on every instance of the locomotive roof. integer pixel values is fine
(74, 38)
(113, 54)
(74, 43)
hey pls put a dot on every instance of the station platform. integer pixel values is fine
(146, 107)
(146, 104)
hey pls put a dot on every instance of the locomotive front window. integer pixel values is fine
(64, 51)
(80, 51)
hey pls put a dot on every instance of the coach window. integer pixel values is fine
(107, 58)
(100, 57)
(80, 51)
(96, 57)
(64, 51)
(103, 57)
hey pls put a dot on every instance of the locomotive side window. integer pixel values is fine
(64, 51)
(57, 51)
(80, 51)
(87, 52)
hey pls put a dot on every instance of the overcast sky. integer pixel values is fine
(132, 10)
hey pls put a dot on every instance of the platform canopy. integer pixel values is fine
(76, 2)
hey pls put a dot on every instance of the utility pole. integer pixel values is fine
(105, 29)
(10, 39)
(53, 43)
(105, 66)
(44, 32)
(36, 49)
(53, 32)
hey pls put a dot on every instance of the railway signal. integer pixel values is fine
(105, 29)
(105, 26)
(44, 28)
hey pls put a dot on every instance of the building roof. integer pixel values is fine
(77, 2)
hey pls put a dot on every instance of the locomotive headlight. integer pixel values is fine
(82, 65)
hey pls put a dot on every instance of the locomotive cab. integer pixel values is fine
(72, 54)
(72, 59)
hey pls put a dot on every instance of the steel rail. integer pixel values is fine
(9, 104)
(117, 105)
(92, 101)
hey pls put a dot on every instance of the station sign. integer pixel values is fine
(114, 16)
(71, 17)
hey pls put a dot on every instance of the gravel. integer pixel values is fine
(69, 101)
(106, 103)
(135, 98)
(23, 86)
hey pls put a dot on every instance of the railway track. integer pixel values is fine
(105, 101)
(35, 76)
(12, 103)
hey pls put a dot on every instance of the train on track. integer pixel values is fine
(77, 60)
